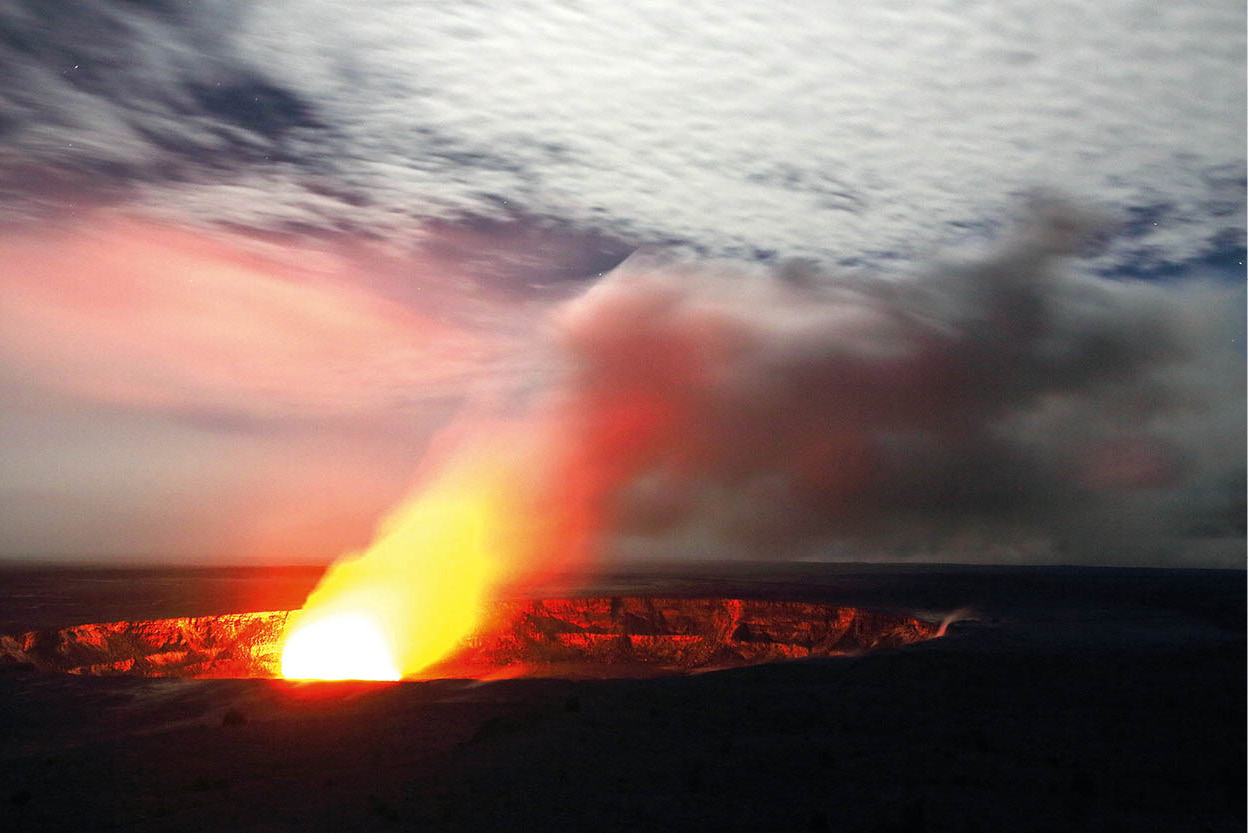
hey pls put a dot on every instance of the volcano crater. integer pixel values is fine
(585, 637)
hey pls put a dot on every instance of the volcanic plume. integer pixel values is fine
(1013, 407)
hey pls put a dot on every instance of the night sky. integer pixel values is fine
(948, 281)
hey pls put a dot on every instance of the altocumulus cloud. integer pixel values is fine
(856, 133)
(845, 131)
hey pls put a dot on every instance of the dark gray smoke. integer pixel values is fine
(1013, 409)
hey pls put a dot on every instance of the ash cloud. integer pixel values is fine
(1008, 410)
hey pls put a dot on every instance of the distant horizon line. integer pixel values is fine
(141, 563)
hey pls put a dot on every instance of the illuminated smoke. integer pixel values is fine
(1009, 409)
(1005, 410)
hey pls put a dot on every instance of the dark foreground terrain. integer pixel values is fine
(1068, 698)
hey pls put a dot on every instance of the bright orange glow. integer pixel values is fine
(421, 585)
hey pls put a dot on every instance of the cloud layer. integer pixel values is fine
(859, 135)
(153, 318)
(351, 223)
(175, 395)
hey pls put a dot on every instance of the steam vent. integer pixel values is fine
(586, 637)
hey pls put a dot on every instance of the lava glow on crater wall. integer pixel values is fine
(565, 637)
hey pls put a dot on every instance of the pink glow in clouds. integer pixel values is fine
(143, 316)
(167, 394)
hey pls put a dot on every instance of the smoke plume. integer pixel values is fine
(1008, 410)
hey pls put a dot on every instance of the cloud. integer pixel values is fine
(154, 318)
(168, 393)
(100, 101)
(860, 137)
(90, 481)
(430, 181)
(861, 133)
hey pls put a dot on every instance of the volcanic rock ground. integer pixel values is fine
(1069, 699)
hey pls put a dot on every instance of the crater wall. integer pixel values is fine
(595, 635)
